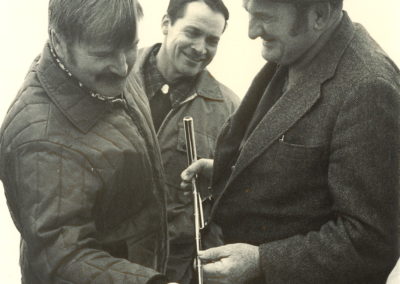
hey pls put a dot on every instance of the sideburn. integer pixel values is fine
(300, 24)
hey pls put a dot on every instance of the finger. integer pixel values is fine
(195, 168)
(213, 254)
(214, 272)
(186, 185)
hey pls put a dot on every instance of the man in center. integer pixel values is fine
(177, 84)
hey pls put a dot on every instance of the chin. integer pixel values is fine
(191, 71)
(270, 57)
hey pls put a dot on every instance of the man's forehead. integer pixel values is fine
(250, 5)
(94, 44)
(207, 19)
(198, 8)
(247, 2)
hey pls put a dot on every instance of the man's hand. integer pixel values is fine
(202, 167)
(234, 263)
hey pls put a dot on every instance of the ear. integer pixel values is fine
(321, 15)
(57, 43)
(165, 24)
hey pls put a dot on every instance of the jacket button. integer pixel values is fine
(233, 168)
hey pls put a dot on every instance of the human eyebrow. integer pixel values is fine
(192, 30)
(262, 16)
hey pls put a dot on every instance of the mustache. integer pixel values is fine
(110, 77)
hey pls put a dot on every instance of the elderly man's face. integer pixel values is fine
(100, 67)
(191, 42)
(274, 23)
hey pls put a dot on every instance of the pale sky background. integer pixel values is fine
(23, 30)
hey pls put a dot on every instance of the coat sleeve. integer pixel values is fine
(364, 186)
(54, 190)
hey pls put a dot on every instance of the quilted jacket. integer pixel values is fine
(84, 182)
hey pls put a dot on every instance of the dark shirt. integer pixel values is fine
(163, 96)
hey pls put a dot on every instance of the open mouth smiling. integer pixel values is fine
(195, 59)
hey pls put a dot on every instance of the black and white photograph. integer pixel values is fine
(200, 141)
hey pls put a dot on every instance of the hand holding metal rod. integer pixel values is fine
(197, 202)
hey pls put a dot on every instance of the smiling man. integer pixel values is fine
(306, 174)
(79, 156)
(177, 84)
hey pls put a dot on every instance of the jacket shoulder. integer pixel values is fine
(365, 58)
(229, 95)
(27, 117)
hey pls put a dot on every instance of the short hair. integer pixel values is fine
(107, 21)
(301, 11)
(176, 8)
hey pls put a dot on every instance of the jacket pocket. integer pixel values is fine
(296, 151)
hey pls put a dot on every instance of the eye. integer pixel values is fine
(213, 41)
(261, 17)
(103, 54)
(192, 33)
(264, 18)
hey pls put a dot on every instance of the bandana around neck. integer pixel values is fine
(80, 84)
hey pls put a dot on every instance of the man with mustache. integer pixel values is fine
(79, 158)
(177, 84)
(306, 174)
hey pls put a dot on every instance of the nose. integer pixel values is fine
(120, 65)
(255, 28)
(199, 46)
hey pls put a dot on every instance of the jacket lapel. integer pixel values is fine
(297, 101)
(285, 113)
(232, 133)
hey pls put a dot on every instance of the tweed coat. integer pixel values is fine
(84, 182)
(316, 184)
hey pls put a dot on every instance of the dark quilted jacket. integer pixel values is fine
(84, 183)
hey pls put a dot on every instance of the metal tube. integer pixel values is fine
(197, 202)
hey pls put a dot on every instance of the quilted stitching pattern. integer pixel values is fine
(81, 179)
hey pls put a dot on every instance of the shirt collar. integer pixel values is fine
(205, 86)
(153, 79)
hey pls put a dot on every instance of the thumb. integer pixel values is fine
(194, 169)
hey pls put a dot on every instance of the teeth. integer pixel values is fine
(193, 59)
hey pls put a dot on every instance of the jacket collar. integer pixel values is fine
(79, 107)
(206, 85)
(298, 99)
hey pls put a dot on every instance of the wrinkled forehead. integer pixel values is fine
(114, 37)
(110, 31)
